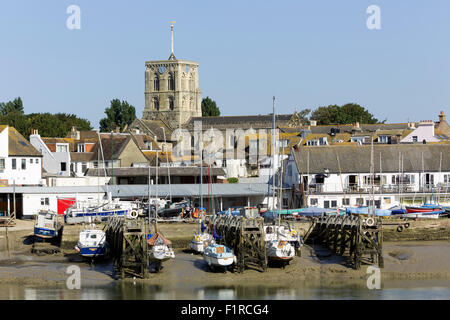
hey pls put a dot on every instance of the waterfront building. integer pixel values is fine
(342, 175)
(20, 162)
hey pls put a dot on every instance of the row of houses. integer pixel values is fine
(326, 166)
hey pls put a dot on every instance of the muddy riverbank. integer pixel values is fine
(403, 260)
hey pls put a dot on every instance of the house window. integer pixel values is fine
(81, 147)
(31, 160)
(45, 202)
(314, 201)
(37, 160)
(312, 143)
(83, 167)
(63, 166)
(383, 139)
(446, 178)
(156, 83)
(326, 204)
(414, 139)
(2, 164)
(171, 103)
(333, 203)
(24, 164)
(346, 202)
(61, 148)
(359, 201)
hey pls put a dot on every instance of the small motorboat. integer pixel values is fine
(92, 243)
(47, 225)
(160, 249)
(218, 256)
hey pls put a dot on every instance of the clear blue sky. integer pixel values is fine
(306, 53)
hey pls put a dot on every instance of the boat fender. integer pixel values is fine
(133, 214)
(370, 222)
(198, 239)
(406, 225)
(293, 233)
(400, 228)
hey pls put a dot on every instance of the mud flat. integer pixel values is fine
(412, 260)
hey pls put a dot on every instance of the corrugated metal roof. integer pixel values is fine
(128, 191)
(354, 159)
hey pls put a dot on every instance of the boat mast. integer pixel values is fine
(281, 191)
(273, 156)
(372, 171)
(209, 195)
(157, 177)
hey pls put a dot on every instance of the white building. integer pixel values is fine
(55, 162)
(424, 132)
(336, 176)
(20, 162)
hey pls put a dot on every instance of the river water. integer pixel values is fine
(398, 289)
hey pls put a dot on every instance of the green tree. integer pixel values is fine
(48, 125)
(299, 118)
(11, 106)
(346, 114)
(209, 108)
(118, 114)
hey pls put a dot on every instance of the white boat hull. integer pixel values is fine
(219, 262)
(420, 216)
(200, 242)
(160, 254)
(280, 252)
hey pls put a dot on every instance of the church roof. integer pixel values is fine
(240, 122)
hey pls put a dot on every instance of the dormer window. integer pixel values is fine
(81, 147)
(61, 147)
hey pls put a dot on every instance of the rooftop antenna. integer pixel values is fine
(172, 56)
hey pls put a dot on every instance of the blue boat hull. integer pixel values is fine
(93, 251)
(45, 232)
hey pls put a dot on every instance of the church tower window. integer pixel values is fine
(156, 103)
(171, 103)
(171, 81)
(156, 83)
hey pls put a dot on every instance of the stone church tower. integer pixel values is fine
(171, 90)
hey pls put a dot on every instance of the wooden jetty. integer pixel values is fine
(246, 238)
(128, 246)
(360, 238)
